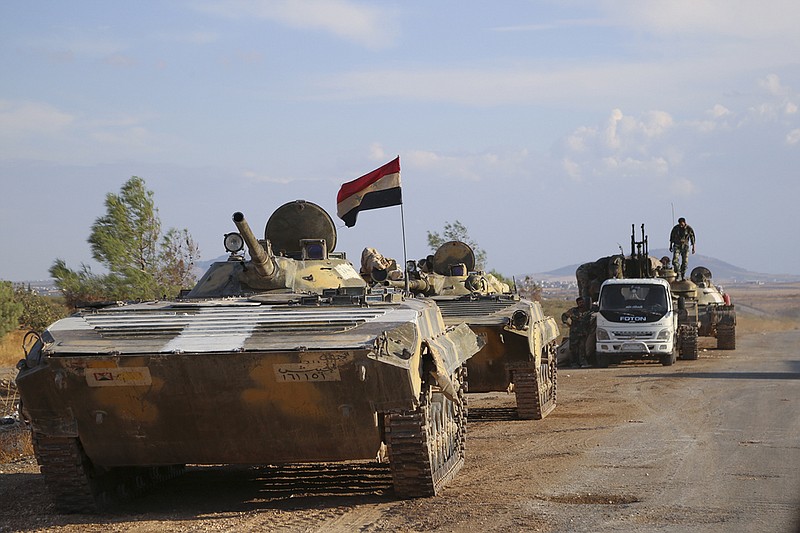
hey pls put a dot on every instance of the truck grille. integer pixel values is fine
(639, 335)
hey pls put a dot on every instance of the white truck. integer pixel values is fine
(637, 318)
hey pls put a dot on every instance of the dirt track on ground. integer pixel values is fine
(706, 445)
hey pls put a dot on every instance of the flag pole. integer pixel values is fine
(405, 257)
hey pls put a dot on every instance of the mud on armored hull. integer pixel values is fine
(519, 354)
(283, 369)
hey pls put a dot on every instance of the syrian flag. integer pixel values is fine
(379, 188)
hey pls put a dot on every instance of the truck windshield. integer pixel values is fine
(633, 299)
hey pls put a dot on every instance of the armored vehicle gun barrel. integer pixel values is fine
(421, 286)
(262, 259)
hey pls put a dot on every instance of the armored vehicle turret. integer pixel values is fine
(283, 358)
(520, 350)
(716, 313)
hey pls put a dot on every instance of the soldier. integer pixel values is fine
(681, 236)
(578, 319)
(590, 275)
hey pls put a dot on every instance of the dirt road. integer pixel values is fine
(706, 445)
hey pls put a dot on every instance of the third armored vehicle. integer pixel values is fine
(520, 350)
(283, 358)
(715, 314)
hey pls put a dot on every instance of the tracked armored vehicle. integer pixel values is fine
(283, 358)
(520, 341)
(717, 315)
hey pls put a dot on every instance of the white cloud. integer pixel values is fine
(363, 23)
(22, 118)
(682, 157)
(718, 111)
(682, 187)
(376, 152)
(571, 169)
(120, 60)
(190, 37)
(262, 178)
(41, 131)
(793, 137)
(744, 19)
(472, 167)
(772, 84)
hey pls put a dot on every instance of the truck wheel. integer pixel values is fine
(602, 359)
(668, 359)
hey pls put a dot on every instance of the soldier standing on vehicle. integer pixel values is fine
(578, 319)
(681, 236)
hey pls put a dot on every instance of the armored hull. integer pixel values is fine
(519, 354)
(716, 313)
(520, 350)
(122, 396)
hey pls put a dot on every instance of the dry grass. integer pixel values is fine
(15, 439)
(15, 443)
(11, 349)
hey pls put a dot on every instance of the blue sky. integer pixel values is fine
(547, 128)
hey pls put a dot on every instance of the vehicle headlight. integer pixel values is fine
(663, 335)
(602, 335)
(520, 319)
(233, 242)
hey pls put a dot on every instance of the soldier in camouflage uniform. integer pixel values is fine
(590, 275)
(681, 236)
(578, 319)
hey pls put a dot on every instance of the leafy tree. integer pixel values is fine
(10, 309)
(457, 231)
(178, 254)
(38, 311)
(528, 288)
(142, 263)
(500, 277)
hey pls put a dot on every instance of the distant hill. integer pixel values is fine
(722, 271)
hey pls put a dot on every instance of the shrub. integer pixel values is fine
(38, 311)
(10, 309)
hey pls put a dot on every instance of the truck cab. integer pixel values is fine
(636, 319)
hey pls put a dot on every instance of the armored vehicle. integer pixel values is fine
(283, 358)
(716, 313)
(520, 341)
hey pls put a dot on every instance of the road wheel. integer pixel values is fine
(427, 444)
(726, 337)
(602, 359)
(689, 343)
